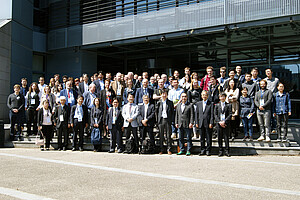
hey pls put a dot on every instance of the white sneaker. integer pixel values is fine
(261, 138)
(173, 135)
(268, 139)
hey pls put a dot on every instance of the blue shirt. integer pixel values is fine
(282, 103)
(174, 95)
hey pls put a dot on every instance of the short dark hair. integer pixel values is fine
(164, 91)
(254, 68)
(80, 96)
(232, 70)
(222, 94)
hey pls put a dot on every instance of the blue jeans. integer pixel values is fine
(247, 123)
(182, 132)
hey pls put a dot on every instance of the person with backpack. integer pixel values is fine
(130, 113)
(96, 119)
(114, 124)
(147, 116)
(281, 110)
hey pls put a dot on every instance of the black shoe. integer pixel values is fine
(74, 149)
(80, 149)
(202, 153)
(227, 154)
(111, 151)
(59, 149)
(220, 154)
(208, 153)
(64, 149)
(120, 151)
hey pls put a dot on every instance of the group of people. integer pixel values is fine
(107, 106)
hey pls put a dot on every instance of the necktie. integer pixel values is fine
(68, 93)
(129, 108)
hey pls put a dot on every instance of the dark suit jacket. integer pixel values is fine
(64, 92)
(227, 110)
(98, 87)
(97, 113)
(87, 98)
(268, 97)
(109, 118)
(186, 117)
(139, 95)
(81, 88)
(59, 111)
(85, 114)
(150, 115)
(170, 111)
(213, 93)
(41, 116)
(204, 118)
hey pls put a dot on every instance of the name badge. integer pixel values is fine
(249, 116)
(61, 118)
(32, 101)
(18, 97)
(262, 102)
(119, 92)
(48, 120)
(222, 117)
(69, 100)
(79, 118)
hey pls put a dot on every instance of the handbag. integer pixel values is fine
(38, 141)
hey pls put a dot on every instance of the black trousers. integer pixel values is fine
(144, 131)
(128, 130)
(63, 131)
(165, 127)
(205, 133)
(32, 119)
(223, 133)
(115, 138)
(47, 131)
(78, 130)
(282, 122)
(15, 118)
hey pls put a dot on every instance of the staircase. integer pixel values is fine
(237, 147)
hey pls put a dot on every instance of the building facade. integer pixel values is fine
(45, 37)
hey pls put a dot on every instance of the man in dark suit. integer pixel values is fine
(147, 116)
(114, 124)
(70, 94)
(222, 115)
(214, 90)
(78, 120)
(61, 121)
(184, 119)
(204, 121)
(140, 92)
(99, 83)
(84, 86)
(165, 112)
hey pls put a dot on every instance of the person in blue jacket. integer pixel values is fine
(281, 110)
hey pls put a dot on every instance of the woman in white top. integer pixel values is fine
(45, 123)
(47, 95)
(232, 97)
(56, 92)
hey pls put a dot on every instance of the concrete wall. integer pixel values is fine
(5, 9)
(21, 50)
(5, 61)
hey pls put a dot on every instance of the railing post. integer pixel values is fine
(2, 133)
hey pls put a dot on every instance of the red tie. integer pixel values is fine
(68, 93)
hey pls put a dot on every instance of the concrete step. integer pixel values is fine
(238, 147)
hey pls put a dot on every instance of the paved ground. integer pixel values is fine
(31, 174)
